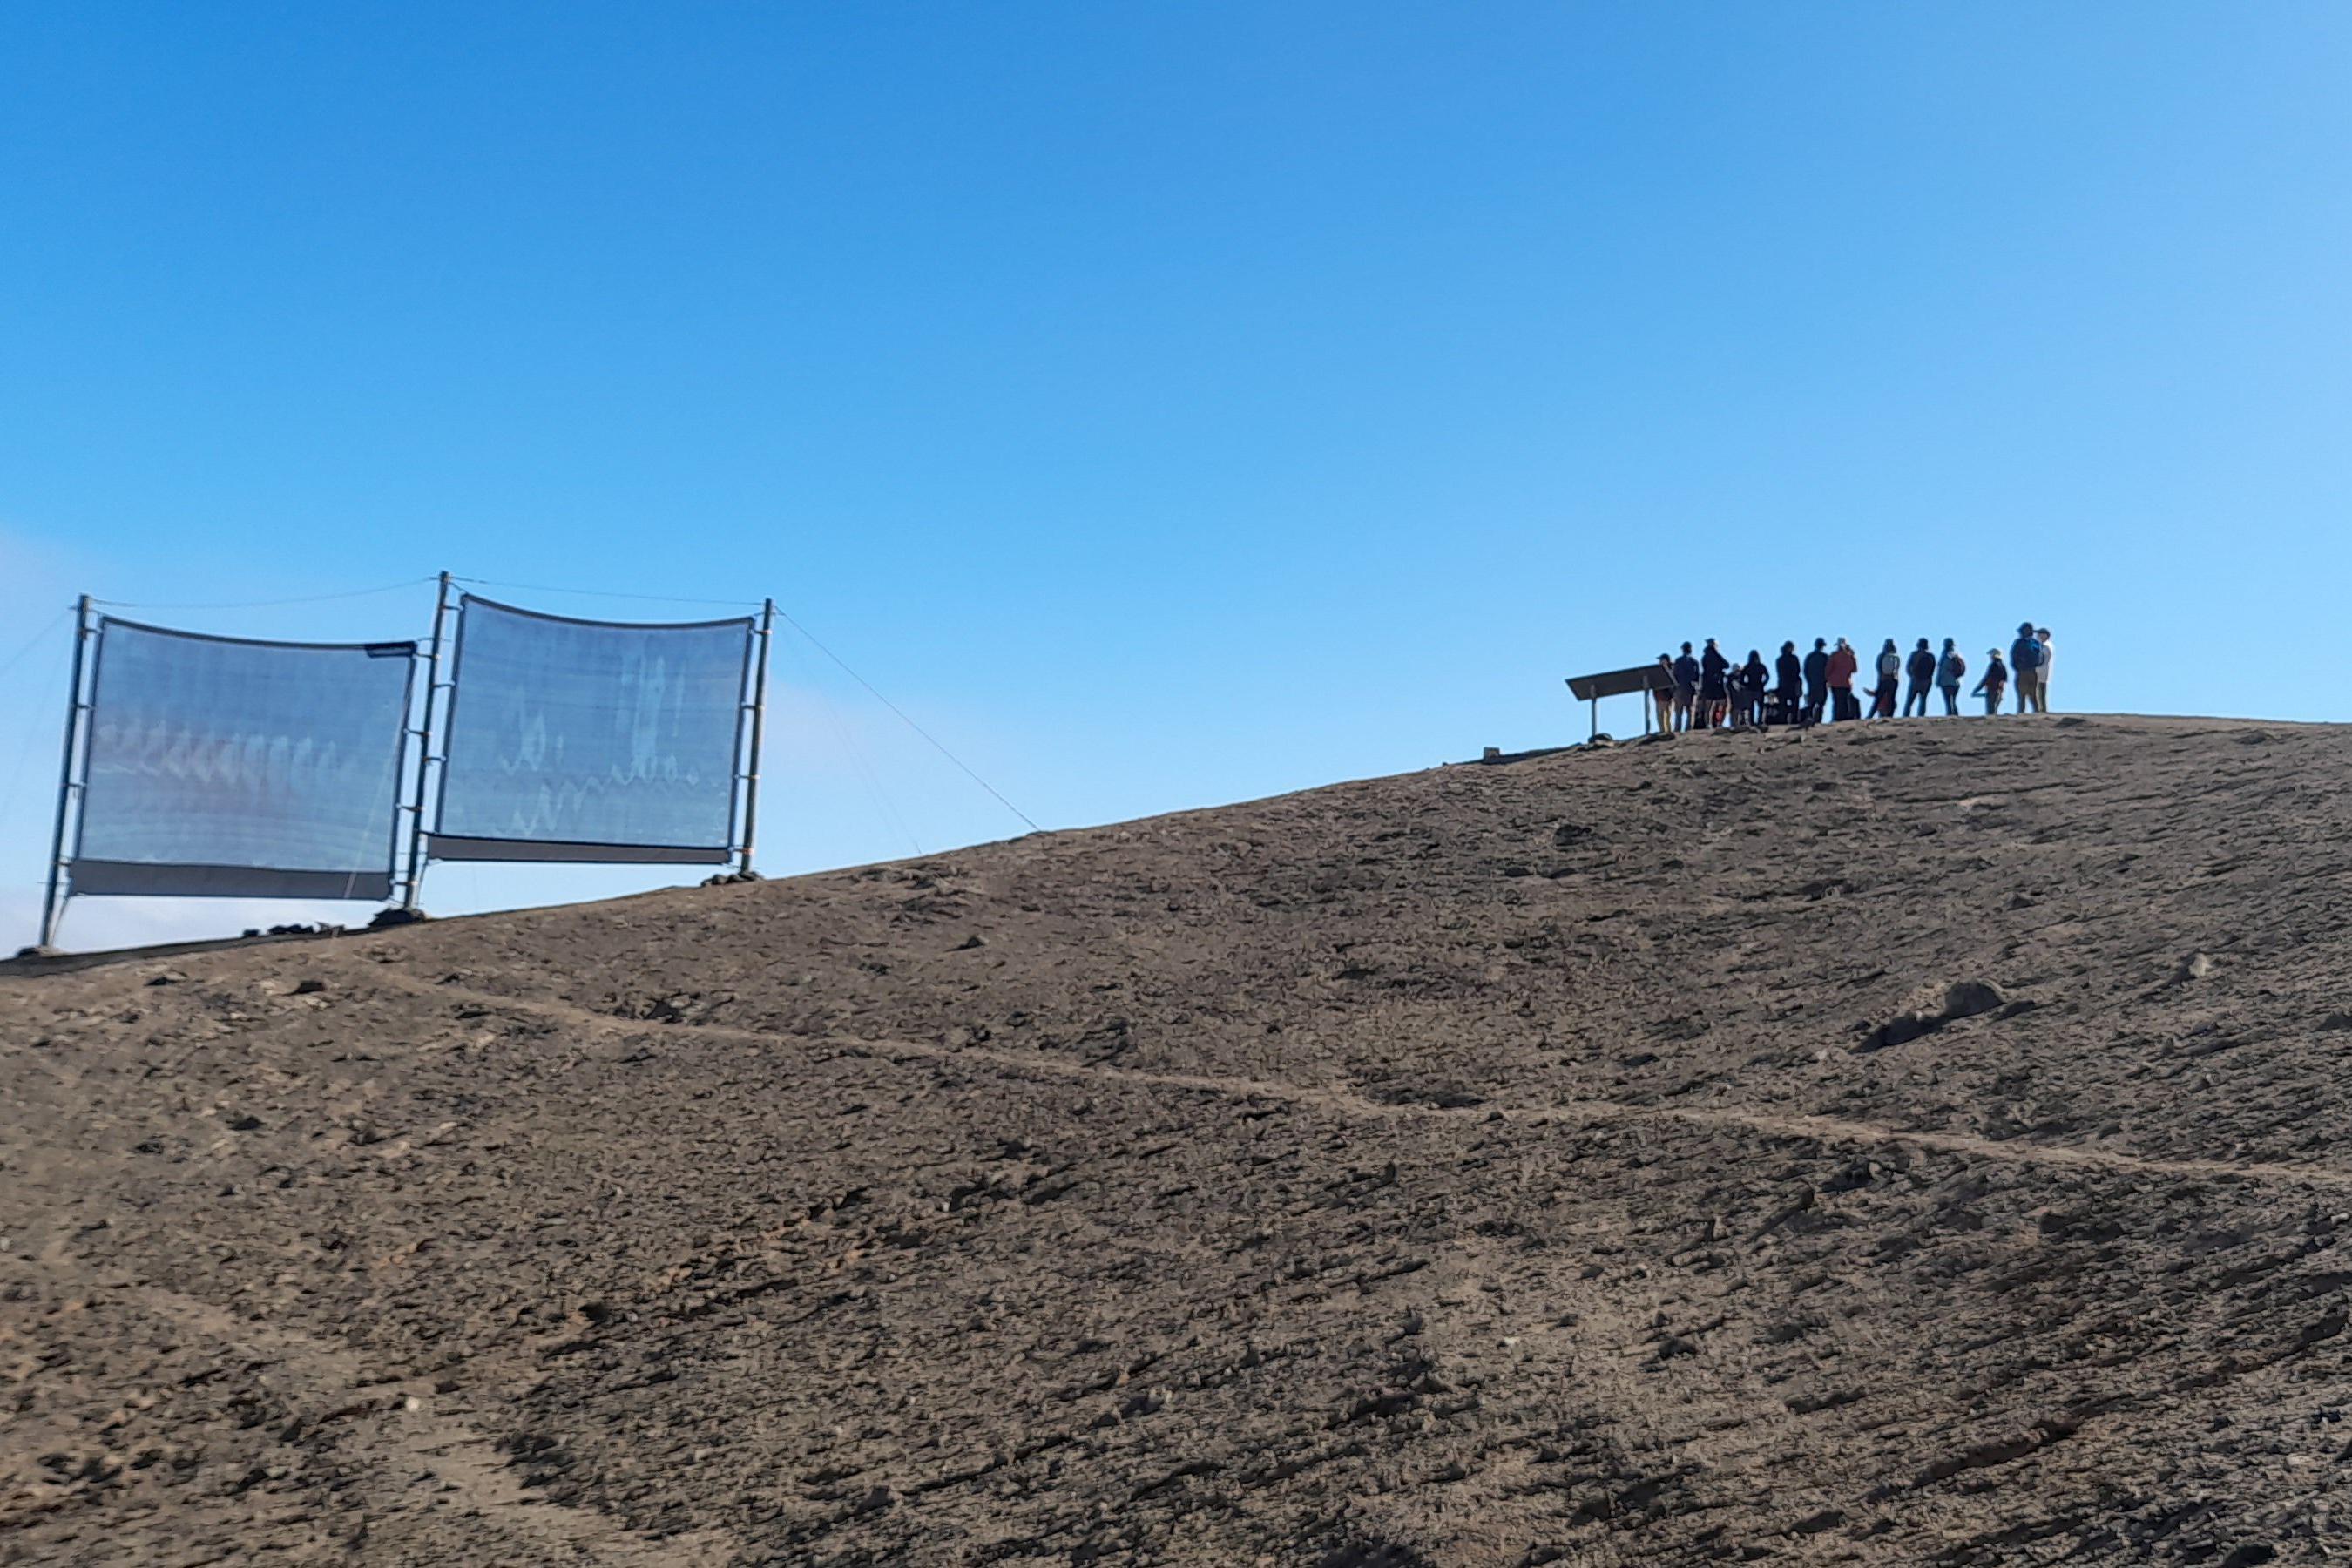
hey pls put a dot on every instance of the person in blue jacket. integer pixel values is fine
(1950, 670)
(1816, 681)
(1685, 688)
(2025, 668)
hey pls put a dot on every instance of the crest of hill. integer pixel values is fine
(1899, 1144)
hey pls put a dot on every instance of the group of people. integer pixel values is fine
(1706, 690)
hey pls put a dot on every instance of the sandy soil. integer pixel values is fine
(1912, 1144)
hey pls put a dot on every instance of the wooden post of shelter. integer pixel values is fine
(1644, 678)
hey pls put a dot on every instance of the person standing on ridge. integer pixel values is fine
(1890, 677)
(1663, 693)
(1840, 673)
(1753, 678)
(1816, 681)
(1996, 680)
(2042, 676)
(1790, 686)
(1950, 670)
(1713, 685)
(1922, 672)
(1685, 688)
(2025, 659)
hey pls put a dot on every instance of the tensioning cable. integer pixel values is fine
(266, 603)
(935, 741)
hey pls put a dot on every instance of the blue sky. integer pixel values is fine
(1170, 404)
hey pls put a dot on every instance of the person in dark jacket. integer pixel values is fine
(1713, 685)
(1890, 679)
(1816, 681)
(1921, 669)
(2025, 667)
(1950, 670)
(1789, 686)
(1996, 679)
(1753, 678)
(1685, 688)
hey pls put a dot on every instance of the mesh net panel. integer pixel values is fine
(591, 739)
(241, 768)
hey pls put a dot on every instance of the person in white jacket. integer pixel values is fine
(2042, 676)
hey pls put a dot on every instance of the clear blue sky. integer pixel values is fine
(1174, 403)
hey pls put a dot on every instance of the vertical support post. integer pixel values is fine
(759, 730)
(53, 906)
(412, 887)
(1596, 721)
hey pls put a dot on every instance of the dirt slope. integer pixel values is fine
(1917, 1144)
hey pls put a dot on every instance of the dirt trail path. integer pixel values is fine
(1822, 1129)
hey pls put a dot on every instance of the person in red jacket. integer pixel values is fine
(1842, 664)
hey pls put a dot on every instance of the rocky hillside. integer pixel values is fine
(1919, 1144)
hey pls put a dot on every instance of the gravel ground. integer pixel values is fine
(1913, 1144)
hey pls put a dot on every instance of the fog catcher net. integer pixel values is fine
(222, 767)
(570, 740)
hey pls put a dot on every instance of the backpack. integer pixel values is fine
(2026, 655)
(1955, 670)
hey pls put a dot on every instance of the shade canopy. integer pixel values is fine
(1620, 682)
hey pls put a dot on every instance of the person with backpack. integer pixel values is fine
(1890, 677)
(1996, 679)
(1789, 686)
(1714, 686)
(1686, 688)
(1816, 681)
(1839, 674)
(2025, 661)
(1950, 670)
(1921, 669)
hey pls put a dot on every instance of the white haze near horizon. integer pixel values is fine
(844, 782)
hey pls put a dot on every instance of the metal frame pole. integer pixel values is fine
(53, 906)
(412, 887)
(759, 729)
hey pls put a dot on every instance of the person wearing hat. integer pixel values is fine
(1995, 681)
(1950, 670)
(2025, 658)
(2042, 676)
